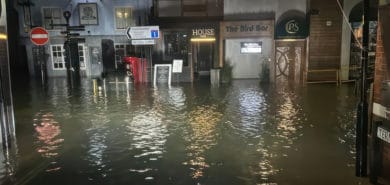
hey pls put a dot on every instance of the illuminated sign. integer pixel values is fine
(203, 32)
(251, 47)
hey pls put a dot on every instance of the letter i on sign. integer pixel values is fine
(154, 33)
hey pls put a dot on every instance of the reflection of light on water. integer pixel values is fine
(251, 101)
(347, 131)
(287, 115)
(203, 120)
(97, 148)
(48, 131)
(177, 97)
(251, 104)
(283, 133)
(149, 135)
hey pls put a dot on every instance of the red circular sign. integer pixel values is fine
(39, 36)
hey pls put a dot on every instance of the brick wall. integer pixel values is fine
(325, 40)
(381, 63)
(382, 72)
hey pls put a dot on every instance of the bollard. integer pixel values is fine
(95, 87)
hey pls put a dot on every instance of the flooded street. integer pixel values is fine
(188, 134)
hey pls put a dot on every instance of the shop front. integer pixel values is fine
(194, 43)
(290, 48)
(247, 46)
(203, 49)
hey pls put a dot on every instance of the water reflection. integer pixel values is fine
(285, 125)
(347, 130)
(269, 123)
(280, 141)
(97, 139)
(48, 135)
(184, 134)
(202, 136)
(148, 133)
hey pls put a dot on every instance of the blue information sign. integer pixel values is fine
(154, 33)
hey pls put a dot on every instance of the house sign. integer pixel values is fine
(203, 32)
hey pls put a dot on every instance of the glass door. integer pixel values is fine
(203, 57)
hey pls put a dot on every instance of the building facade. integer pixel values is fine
(210, 34)
(105, 36)
(297, 41)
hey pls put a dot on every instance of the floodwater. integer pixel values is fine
(186, 134)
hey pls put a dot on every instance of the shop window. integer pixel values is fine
(124, 17)
(52, 16)
(176, 46)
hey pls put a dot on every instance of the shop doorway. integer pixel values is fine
(108, 55)
(203, 53)
(290, 62)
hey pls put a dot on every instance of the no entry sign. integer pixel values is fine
(39, 36)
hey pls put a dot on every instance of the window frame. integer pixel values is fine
(132, 20)
(84, 50)
(62, 57)
(62, 19)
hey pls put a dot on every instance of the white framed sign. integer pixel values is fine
(162, 73)
(177, 66)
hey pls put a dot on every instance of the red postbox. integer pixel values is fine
(136, 68)
(130, 64)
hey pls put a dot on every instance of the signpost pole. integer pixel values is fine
(42, 63)
(39, 37)
(362, 111)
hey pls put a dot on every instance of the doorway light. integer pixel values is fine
(3, 36)
(202, 39)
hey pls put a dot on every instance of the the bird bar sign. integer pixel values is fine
(39, 36)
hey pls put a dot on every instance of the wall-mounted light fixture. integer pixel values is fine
(202, 39)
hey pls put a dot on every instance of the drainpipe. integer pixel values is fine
(362, 111)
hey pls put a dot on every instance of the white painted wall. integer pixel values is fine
(248, 6)
(232, 7)
(247, 65)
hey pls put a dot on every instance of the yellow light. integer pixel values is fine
(3, 36)
(290, 40)
(119, 14)
(202, 39)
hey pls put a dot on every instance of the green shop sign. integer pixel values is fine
(292, 28)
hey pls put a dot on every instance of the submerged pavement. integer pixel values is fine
(189, 134)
